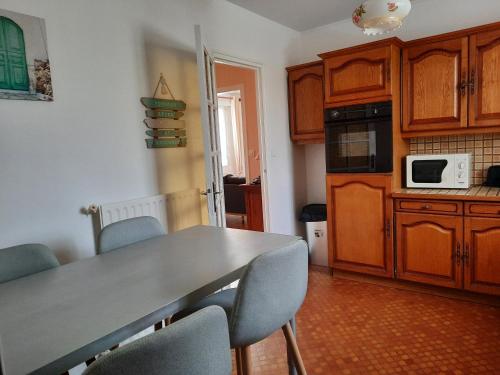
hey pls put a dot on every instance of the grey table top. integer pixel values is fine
(56, 319)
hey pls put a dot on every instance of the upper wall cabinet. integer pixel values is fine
(305, 101)
(484, 99)
(452, 83)
(360, 74)
(435, 85)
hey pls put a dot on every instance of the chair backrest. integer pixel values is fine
(23, 260)
(129, 231)
(269, 294)
(196, 345)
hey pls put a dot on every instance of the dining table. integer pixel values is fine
(56, 319)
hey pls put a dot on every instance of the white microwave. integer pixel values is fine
(447, 171)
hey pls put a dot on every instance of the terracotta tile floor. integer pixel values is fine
(352, 327)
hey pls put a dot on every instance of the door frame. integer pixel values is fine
(222, 58)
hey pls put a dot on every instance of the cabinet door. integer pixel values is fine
(305, 100)
(358, 76)
(429, 248)
(359, 223)
(482, 255)
(435, 86)
(485, 79)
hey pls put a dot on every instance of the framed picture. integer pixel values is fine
(24, 59)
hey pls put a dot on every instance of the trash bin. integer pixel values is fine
(314, 216)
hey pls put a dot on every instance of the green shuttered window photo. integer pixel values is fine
(13, 68)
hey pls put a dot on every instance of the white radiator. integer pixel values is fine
(175, 211)
(150, 206)
(183, 209)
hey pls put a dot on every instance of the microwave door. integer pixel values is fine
(428, 171)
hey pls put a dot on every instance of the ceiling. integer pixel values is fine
(301, 15)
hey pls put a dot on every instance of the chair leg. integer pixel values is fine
(246, 360)
(239, 364)
(89, 361)
(290, 340)
(158, 326)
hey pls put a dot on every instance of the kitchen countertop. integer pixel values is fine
(475, 193)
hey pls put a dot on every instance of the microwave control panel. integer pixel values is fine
(463, 170)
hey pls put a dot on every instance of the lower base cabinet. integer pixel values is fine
(454, 251)
(482, 255)
(359, 223)
(429, 249)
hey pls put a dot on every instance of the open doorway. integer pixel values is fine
(239, 130)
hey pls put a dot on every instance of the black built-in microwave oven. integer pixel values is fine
(358, 138)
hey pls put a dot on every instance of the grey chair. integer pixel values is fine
(129, 231)
(197, 345)
(270, 292)
(24, 260)
(126, 232)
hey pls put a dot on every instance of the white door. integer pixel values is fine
(208, 104)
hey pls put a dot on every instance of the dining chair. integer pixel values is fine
(129, 231)
(270, 292)
(197, 345)
(24, 260)
(126, 232)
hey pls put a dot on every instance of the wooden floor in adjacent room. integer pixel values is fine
(355, 327)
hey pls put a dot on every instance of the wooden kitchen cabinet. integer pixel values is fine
(451, 83)
(305, 103)
(449, 243)
(482, 255)
(429, 248)
(361, 74)
(435, 88)
(359, 223)
(484, 98)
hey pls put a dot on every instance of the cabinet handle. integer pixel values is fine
(465, 256)
(426, 207)
(463, 87)
(458, 253)
(472, 83)
(388, 228)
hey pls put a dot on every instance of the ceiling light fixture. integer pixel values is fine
(380, 16)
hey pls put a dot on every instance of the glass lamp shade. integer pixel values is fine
(380, 16)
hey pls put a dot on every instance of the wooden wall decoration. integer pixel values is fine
(163, 119)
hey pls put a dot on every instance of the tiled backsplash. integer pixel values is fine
(485, 150)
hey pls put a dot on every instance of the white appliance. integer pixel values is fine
(447, 171)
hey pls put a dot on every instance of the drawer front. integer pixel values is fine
(482, 209)
(430, 206)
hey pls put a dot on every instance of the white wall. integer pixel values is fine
(88, 145)
(428, 17)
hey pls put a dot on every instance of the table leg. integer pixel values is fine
(291, 365)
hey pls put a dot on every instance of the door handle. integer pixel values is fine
(463, 86)
(465, 256)
(206, 192)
